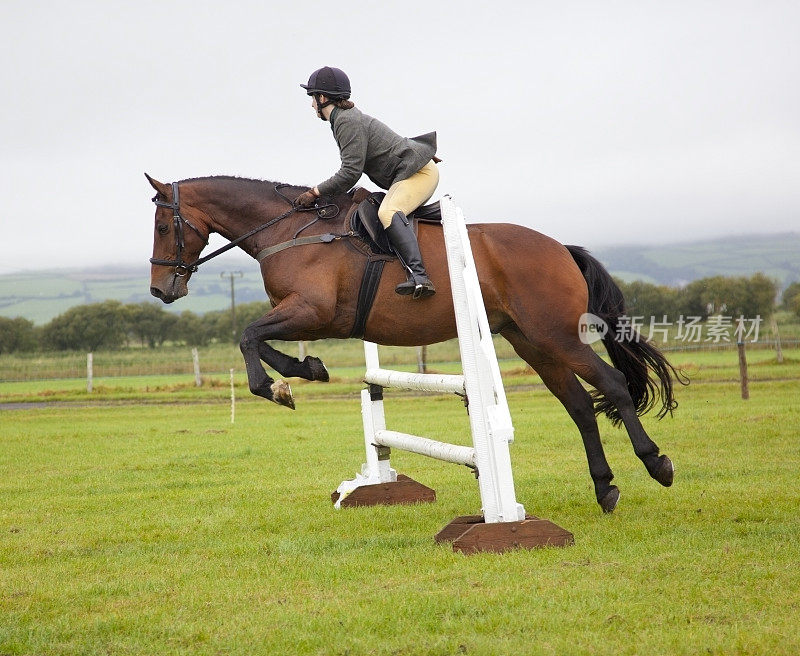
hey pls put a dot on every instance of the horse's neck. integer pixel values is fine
(233, 215)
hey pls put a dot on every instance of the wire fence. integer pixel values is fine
(219, 359)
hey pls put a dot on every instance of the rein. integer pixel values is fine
(183, 268)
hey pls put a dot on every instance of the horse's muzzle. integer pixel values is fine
(174, 289)
(167, 298)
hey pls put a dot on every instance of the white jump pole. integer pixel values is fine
(489, 416)
(490, 420)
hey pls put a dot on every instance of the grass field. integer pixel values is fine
(139, 520)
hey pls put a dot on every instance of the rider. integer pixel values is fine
(405, 167)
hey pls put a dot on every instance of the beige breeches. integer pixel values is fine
(407, 195)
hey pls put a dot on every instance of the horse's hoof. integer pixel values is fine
(610, 500)
(282, 393)
(665, 472)
(317, 369)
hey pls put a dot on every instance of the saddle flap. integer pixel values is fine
(367, 225)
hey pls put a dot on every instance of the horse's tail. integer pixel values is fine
(648, 373)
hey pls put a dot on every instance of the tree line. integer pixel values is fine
(732, 296)
(113, 325)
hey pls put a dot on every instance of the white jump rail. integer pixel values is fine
(481, 384)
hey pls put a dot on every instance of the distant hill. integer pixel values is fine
(42, 295)
(777, 256)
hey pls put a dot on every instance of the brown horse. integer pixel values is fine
(535, 291)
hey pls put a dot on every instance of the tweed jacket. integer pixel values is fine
(368, 146)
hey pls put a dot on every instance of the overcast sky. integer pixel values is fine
(597, 123)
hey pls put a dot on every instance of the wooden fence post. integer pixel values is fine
(89, 372)
(198, 381)
(743, 370)
(422, 359)
(778, 350)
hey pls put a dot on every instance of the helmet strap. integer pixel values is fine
(322, 105)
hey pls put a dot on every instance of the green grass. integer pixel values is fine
(164, 529)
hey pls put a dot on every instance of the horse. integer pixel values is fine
(535, 290)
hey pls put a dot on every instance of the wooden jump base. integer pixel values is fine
(404, 490)
(503, 524)
(470, 534)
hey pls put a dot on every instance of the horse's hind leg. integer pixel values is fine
(612, 384)
(560, 380)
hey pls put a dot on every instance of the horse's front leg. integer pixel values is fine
(310, 368)
(290, 320)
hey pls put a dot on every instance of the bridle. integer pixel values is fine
(183, 268)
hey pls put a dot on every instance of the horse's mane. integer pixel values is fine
(248, 182)
(239, 187)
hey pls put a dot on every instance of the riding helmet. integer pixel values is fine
(332, 82)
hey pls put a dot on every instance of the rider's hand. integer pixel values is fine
(306, 199)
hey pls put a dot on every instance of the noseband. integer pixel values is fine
(181, 267)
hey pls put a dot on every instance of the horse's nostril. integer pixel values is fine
(155, 291)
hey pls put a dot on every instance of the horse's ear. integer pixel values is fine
(160, 187)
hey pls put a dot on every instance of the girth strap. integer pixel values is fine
(366, 295)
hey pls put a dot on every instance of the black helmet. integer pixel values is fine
(331, 82)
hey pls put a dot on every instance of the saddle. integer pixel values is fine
(364, 220)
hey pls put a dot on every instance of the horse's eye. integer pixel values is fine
(163, 229)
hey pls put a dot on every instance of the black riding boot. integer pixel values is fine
(404, 241)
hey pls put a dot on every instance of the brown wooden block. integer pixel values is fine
(470, 534)
(457, 527)
(405, 490)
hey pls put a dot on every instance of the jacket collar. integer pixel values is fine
(332, 117)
